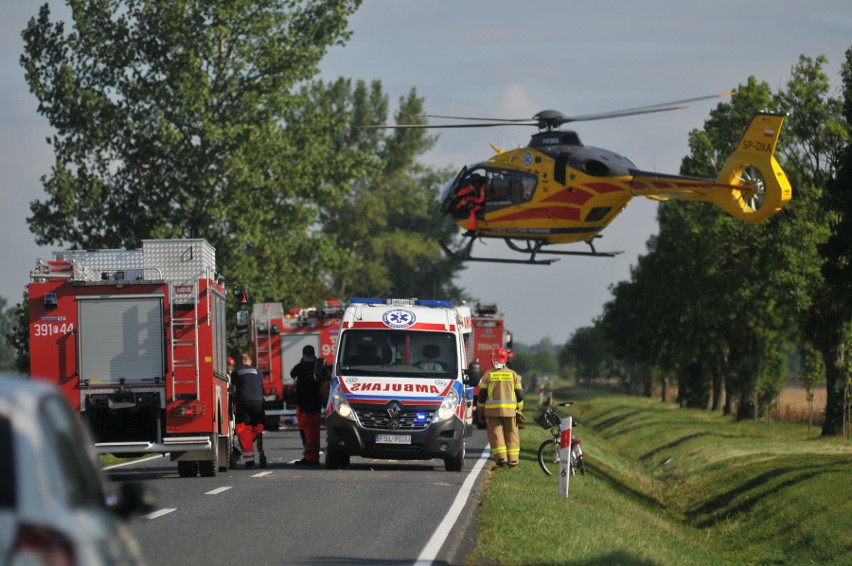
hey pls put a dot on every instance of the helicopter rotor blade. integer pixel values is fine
(549, 119)
(496, 120)
(662, 107)
(432, 126)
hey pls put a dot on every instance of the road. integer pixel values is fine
(375, 512)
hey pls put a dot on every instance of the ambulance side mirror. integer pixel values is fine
(474, 374)
(242, 322)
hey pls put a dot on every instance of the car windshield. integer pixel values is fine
(399, 353)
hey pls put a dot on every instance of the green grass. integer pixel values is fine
(672, 486)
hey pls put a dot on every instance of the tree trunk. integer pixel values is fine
(716, 402)
(835, 381)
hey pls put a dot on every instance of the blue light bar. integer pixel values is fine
(434, 303)
(366, 301)
(400, 302)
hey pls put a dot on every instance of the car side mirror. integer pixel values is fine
(242, 322)
(474, 374)
(241, 296)
(134, 499)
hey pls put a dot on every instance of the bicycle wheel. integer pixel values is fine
(548, 456)
(582, 466)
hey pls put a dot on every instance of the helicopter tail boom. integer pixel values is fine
(757, 186)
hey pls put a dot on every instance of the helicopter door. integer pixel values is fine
(509, 189)
(498, 191)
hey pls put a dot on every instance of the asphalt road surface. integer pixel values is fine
(376, 512)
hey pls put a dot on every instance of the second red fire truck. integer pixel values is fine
(278, 339)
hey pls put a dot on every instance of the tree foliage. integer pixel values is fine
(169, 123)
(191, 119)
(720, 303)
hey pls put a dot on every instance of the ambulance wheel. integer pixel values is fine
(335, 460)
(187, 468)
(456, 463)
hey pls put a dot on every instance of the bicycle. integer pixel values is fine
(548, 452)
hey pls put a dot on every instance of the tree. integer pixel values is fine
(812, 373)
(587, 351)
(7, 324)
(384, 213)
(17, 335)
(169, 119)
(837, 271)
(737, 297)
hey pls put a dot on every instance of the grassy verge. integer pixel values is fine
(672, 486)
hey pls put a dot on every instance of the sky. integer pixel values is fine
(508, 59)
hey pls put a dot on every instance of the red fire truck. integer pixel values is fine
(489, 332)
(135, 339)
(278, 339)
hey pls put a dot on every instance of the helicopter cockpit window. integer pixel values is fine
(499, 187)
(524, 188)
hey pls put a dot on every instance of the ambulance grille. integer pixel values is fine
(378, 419)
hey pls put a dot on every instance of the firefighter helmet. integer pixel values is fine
(499, 356)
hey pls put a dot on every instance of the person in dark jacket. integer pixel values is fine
(247, 385)
(309, 374)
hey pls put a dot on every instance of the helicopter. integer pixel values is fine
(558, 191)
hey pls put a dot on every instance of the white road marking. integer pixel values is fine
(157, 514)
(261, 474)
(439, 537)
(218, 490)
(132, 462)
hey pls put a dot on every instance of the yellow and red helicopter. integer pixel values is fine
(558, 191)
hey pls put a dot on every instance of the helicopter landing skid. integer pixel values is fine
(537, 248)
(465, 256)
(533, 247)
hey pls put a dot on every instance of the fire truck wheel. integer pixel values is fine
(335, 460)
(209, 468)
(225, 449)
(187, 468)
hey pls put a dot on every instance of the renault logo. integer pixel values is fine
(394, 409)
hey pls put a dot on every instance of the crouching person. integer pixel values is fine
(247, 385)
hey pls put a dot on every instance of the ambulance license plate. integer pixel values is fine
(393, 439)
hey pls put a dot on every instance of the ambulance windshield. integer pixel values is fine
(400, 353)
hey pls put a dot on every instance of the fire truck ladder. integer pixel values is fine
(263, 350)
(184, 336)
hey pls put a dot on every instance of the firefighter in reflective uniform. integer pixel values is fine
(501, 397)
(247, 383)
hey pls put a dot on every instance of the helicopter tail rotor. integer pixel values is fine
(759, 187)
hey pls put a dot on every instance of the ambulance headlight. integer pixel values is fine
(341, 406)
(448, 407)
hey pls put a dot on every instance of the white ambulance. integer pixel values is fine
(401, 386)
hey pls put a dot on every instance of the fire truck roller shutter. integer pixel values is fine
(121, 338)
(291, 350)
